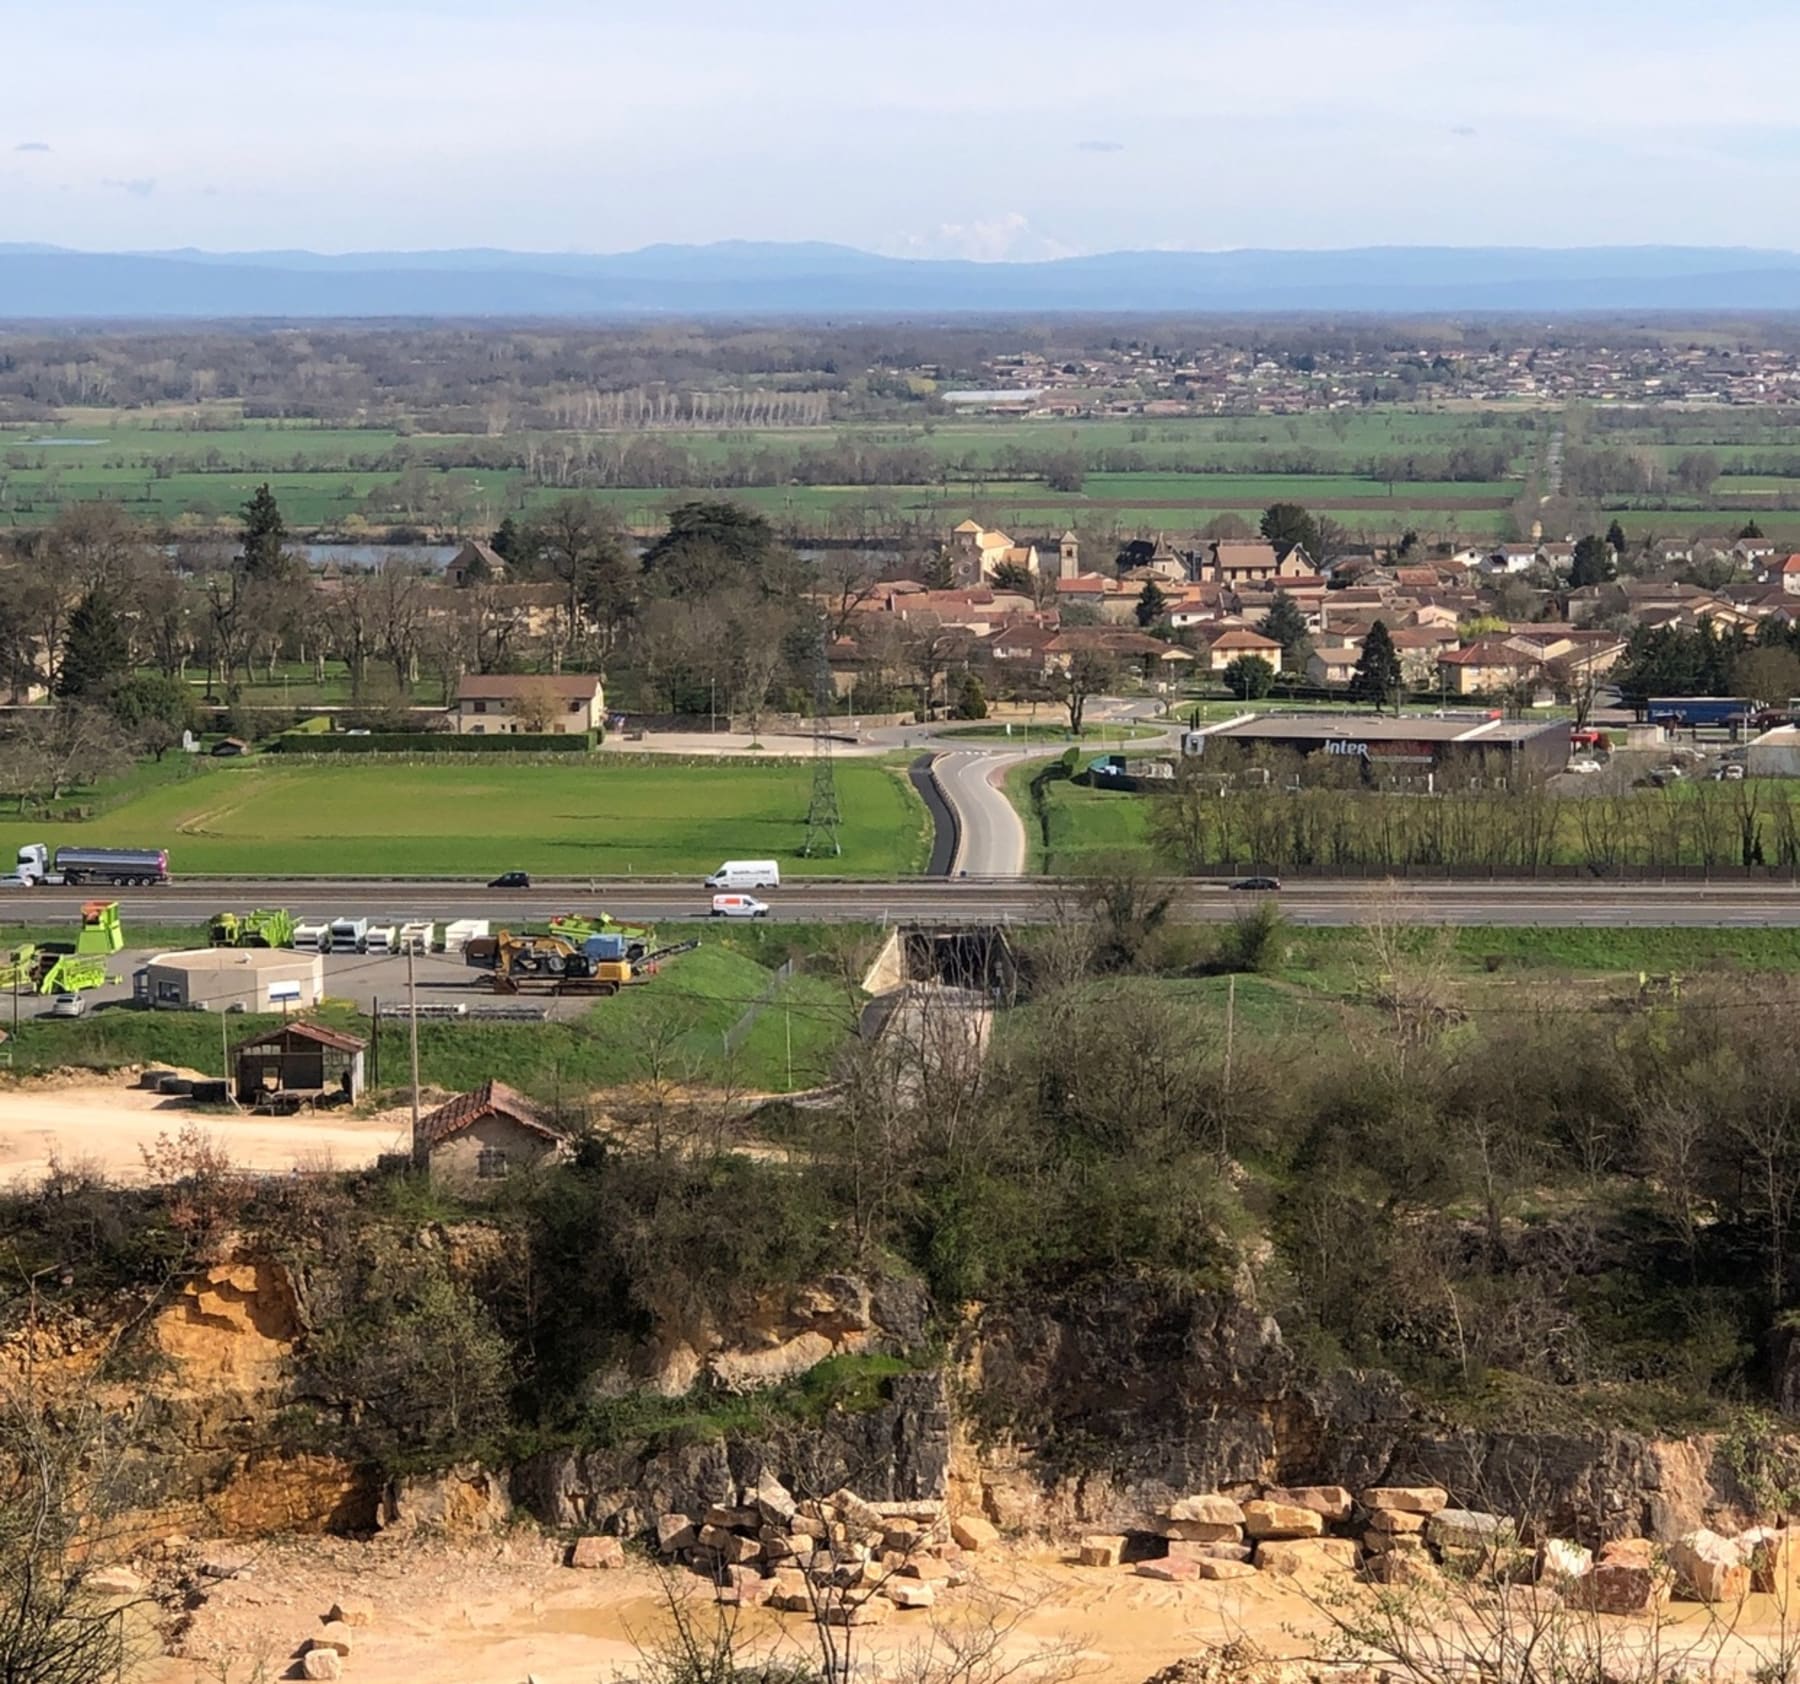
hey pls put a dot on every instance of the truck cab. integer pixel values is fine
(34, 866)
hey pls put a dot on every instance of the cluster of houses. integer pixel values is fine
(1222, 378)
(1030, 607)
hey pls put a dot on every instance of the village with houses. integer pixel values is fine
(1498, 624)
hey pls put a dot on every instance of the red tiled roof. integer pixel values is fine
(315, 1032)
(491, 1099)
(1485, 652)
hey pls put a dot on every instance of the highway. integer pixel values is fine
(1011, 900)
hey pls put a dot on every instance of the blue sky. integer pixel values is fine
(985, 128)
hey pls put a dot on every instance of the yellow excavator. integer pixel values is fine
(538, 964)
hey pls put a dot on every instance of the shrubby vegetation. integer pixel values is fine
(1581, 1194)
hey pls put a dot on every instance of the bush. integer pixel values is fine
(1252, 940)
(971, 700)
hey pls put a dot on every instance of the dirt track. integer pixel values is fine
(107, 1125)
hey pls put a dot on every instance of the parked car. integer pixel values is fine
(67, 1005)
(1585, 767)
(1730, 773)
(1264, 884)
(512, 880)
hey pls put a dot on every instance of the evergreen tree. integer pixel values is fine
(1152, 605)
(264, 534)
(507, 540)
(1615, 536)
(1750, 530)
(1287, 625)
(1287, 524)
(1249, 677)
(971, 699)
(96, 655)
(1594, 562)
(1377, 677)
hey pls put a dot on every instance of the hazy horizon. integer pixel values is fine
(997, 131)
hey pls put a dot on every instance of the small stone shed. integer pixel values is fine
(299, 1058)
(484, 1136)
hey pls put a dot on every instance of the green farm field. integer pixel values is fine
(610, 814)
(198, 467)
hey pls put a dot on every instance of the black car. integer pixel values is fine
(512, 880)
(1265, 884)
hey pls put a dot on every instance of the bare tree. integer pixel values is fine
(1090, 673)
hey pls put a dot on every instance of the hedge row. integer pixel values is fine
(440, 742)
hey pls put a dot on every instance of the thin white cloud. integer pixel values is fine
(1099, 146)
(32, 146)
(1008, 238)
(138, 186)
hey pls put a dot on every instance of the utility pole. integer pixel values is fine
(412, 1010)
(1230, 1025)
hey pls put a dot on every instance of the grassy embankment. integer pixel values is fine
(605, 815)
(674, 1024)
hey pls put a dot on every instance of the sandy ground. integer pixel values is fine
(106, 1125)
(508, 1612)
(505, 1612)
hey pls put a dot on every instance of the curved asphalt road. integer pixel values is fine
(991, 835)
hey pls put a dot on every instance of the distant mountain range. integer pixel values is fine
(751, 278)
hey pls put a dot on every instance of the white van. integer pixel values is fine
(746, 874)
(739, 906)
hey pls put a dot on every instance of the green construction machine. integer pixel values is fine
(267, 926)
(577, 927)
(63, 968)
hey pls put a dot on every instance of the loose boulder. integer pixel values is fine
(1331, 1501)
(1207, 1552)
(1413, 1499)
(1561, 1563)
(1711, 1568)
(334, 1635)
(1774, 1561)
(1225, 1569)
(1617, 1587)
(597, 1554)
(1201, 1531)
(974, 1532)
(674, 1533)
(1209, 1508)
(1299, 1557)
(1170, 1569)
(1396, 1520)
(1282, 1520)
(321, 1663)
(352, 1611)
(1469, 1529)
(1101, 1550)
(909, 1593)
(1402, 1567)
